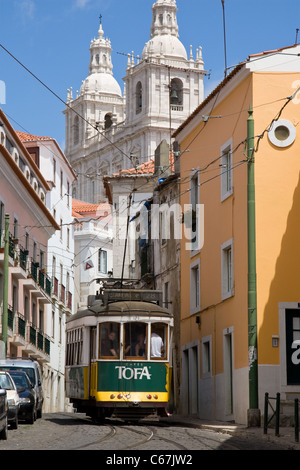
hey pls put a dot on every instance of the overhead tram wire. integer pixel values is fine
(66, 104)
(259, 137)
(58, 97)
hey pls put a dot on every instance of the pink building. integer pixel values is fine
(22, 196)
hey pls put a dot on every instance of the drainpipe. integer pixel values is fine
(5, 288)
(253, 411)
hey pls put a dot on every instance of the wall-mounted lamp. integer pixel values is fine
(275, 341)
(198, 320)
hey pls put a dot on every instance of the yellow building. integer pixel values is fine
(217, 350)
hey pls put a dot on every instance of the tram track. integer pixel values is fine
(116, 433)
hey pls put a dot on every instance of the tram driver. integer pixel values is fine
(109, 345)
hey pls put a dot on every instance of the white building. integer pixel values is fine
(107, 131)
(60, 260)
(93, 233)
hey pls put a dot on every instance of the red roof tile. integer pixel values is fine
(24, 137)
(84, 209)
(142, 169)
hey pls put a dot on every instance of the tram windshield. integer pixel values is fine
(110, 340)
(135, 342)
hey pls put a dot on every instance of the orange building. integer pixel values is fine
(216, 336)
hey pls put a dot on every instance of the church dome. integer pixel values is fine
(164, 32)
(166, 45)
(100, 78)
(101, 82)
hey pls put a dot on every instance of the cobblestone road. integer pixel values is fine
(64, 431)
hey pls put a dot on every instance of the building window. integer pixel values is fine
(195, 287)
(53, 267)
(194, 201)
(15, 228)
(42, 259)
(27, 241)
(68, 193)
(54, 170)
(53, 324)
(166, 294)
(61, 229)
(61, 183)
(34, 251)
(2, 224)
(227, 269)
(226, 170)
(102, 261)
(163, 219)
(282, 133)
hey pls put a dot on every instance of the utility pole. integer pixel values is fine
(5, 286)
(224, 33)
(253, 411)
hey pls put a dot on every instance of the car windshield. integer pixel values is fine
(29, 371)
(20, 380)
(5, 382)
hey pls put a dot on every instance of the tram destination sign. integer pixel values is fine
(119, 295)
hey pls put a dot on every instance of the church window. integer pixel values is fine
(97, 59)
(107, 121)
(76, 130)
(176, 94)
(160, 19)
(139, 97)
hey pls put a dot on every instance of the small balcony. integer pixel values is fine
(69, 300)
(55, 288)
(37, 343)
(26, 334)
(62, 295)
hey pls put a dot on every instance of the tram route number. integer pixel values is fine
(156, 459)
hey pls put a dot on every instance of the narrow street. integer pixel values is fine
(66, 431)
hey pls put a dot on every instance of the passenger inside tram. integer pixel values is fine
(157, 344)
(109, 345)
(135, 334)
(140, 345)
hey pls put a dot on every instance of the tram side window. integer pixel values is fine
(135, 339)
(74, 347)
(158, 347)
(109, 340)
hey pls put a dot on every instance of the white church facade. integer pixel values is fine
(107, 130)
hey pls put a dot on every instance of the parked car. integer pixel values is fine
(32, 369)
(3, 414)
(13, 398)
(27, 395)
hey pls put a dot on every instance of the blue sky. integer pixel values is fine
(52, 38)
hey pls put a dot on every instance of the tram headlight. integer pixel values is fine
(149, 397)
(155, 396)
(120, 396)
(112, 396)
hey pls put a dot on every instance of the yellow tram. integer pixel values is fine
(118, 355)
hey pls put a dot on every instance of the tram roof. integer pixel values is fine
(122, 308)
